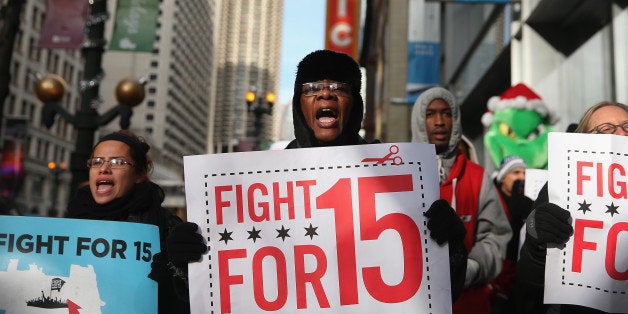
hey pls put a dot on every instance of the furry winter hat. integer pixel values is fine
(327, 65)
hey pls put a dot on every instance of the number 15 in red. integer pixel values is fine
(338, 198)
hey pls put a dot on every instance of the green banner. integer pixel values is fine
(135, 24)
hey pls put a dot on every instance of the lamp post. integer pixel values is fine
(255, 105)
(56, 172)
(50, 89)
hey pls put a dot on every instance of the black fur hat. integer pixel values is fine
(328, 65)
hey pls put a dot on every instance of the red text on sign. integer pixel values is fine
(259, 199)
(592, 175)
(580, 245)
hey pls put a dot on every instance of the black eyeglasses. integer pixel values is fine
(337, 88)
(113, 163)
(609, 128)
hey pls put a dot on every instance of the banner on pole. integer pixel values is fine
(317, 230)
(135, 25)
(64, 24)
(342, 27)
(588, 176)
(423, 48)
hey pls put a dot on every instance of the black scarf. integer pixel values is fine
(137, 202)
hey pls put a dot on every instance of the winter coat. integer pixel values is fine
(470, 191)
(142, 205)
(530, 278)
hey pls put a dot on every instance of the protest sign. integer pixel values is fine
(54, 265)
(317, 230)
(535, 180)
(588, 176)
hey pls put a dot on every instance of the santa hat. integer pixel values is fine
(519, 97)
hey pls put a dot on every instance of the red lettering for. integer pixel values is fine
(314, 278)
(371, 228)
(258, 278)
(611, 251)
(578, 241)
(227, 280)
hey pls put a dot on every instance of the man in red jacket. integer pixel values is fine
(466, 189)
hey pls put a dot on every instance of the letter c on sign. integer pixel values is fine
(341, 34)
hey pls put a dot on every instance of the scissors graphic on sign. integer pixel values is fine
(396, 160)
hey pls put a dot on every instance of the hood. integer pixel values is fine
(419, 131)
(320, 65)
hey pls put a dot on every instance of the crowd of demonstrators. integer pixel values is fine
(477, 217)
(548, 223)
(119, 189)
(509, 181)
(466, 191)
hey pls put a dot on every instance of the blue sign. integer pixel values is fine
(76, 266)
(423, 68)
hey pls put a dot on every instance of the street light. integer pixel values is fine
(56, 172)
(50, 89)
(258, 108)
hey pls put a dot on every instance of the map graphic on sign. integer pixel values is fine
(36, 290)
(317, 230)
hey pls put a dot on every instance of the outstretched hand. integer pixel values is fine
(443, 223)
(549, 223)
(184, 245)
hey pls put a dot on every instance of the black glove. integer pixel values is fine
(444, 224)
(548, 223)
(517, 187)
(184, 245)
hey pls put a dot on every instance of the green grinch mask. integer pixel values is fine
(519, 132)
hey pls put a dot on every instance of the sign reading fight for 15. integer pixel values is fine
(335, 229)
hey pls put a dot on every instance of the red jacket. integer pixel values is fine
(465, 178)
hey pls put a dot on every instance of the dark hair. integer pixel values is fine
(138, 149)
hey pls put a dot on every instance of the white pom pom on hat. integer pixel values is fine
(519, 96)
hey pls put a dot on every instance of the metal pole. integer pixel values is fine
(87, 117)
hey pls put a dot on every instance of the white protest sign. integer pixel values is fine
(317, 230)
(588, 175)
(535, 180)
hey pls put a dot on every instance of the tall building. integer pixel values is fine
(247, 58)
(42, 191)
(174, 117)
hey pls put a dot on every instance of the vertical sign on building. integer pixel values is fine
(423, 48)
(342, 26)
(135, 25)
(64, 25)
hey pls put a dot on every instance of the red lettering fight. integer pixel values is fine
(339, 200)
(604, 179)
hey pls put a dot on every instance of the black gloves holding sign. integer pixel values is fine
(445, 226)
(183, 245)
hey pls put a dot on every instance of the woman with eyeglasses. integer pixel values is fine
(119, 190)
(549, 223)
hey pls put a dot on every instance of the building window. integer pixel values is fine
(149, 117)
(150, 104)
(154, 64)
